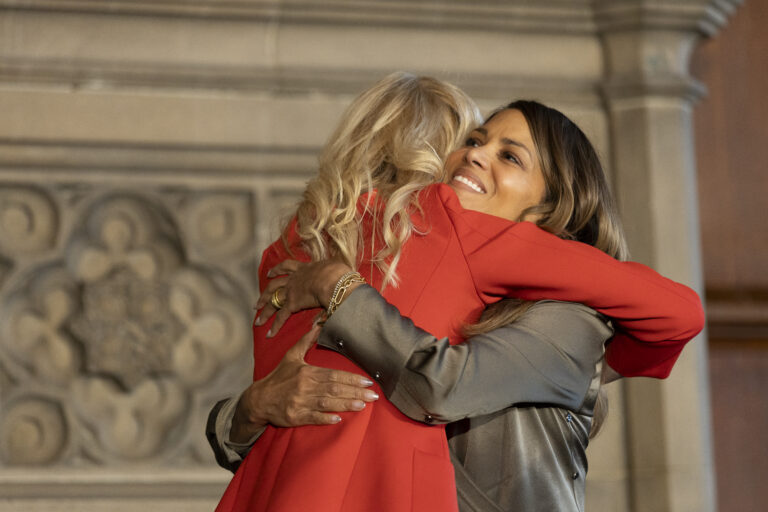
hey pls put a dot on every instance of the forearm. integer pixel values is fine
(646, 306)
(533, 361)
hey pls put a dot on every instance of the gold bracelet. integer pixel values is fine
(341, 288)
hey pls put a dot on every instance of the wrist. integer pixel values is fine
(344, 286)
(327, 283)
(248, 419)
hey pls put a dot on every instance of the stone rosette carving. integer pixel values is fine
(28, 221)
(219, 224)
(125, 333)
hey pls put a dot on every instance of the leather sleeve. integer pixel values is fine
(549, 356)
(228, 454)
(218, 448)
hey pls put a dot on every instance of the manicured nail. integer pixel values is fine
(366, 382)
(335, 419)
(269, 333)
(358, 405)
(271, 273)
(371, 395)
(258, 321)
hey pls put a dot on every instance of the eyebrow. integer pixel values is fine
(507, 141)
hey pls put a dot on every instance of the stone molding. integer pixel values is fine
(233, 164)
(125, 483)
(536, 18)
(737, 314)
(672, 86)
(261, 50)
(705, 16)
(96, 75)
(556, 16)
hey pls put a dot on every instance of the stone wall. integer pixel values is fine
(149, 147)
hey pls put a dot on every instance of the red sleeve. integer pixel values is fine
(657, 315)
(633, 358)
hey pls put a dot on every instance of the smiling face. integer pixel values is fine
(498, 171)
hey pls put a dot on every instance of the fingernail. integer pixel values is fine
(269, 333)
(258, 320)
(271, 273)
(366, 382)
(371, 395)
(358, 404)
(335, 419)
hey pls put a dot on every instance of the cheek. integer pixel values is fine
(453, 160)
(540, 190)
(519, 188)
(521, 193)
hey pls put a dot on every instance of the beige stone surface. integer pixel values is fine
(147, 149)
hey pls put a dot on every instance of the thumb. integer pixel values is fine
(300, 349)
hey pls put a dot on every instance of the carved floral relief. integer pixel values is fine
(114, 345)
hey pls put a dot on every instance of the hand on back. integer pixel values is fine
(296, 394)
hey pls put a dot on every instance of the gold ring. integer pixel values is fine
(275, 300)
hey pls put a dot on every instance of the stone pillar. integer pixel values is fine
(650, 96)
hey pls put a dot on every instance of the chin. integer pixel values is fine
(467, 200)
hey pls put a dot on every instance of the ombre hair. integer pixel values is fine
(393, 139)
(577, 205)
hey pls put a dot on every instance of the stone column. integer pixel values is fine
(650, 96)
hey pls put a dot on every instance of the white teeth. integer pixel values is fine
(471, 184)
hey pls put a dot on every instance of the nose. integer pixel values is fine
(477, 156)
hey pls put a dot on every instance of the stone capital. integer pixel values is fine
(703, 16)
(648, 45)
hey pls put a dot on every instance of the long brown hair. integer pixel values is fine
(577, 205)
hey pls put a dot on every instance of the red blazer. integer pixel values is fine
(380, 460)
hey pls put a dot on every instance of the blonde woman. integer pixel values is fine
(438, 250)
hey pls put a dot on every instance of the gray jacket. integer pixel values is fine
(519, 399)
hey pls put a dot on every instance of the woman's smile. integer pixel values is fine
(467, 179)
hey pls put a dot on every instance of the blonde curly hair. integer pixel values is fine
(393, 139)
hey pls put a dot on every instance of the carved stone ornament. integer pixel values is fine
(122, 338)
(28, 222)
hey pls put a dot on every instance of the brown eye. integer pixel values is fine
(510, 157)
(472, 142)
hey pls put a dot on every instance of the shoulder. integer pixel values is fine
(567, 323)
(287, 246)
(544, 307)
